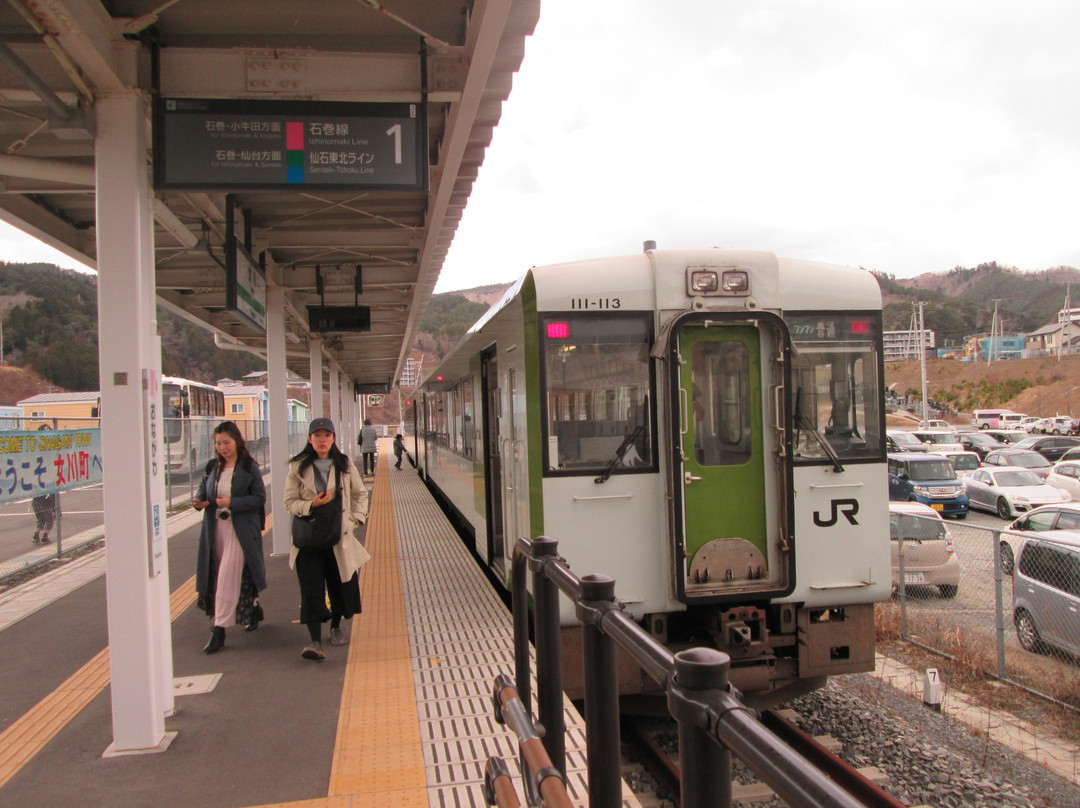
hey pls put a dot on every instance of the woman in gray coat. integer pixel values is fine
(230, 569)
(367, 440)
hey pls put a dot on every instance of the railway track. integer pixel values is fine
(647, 744)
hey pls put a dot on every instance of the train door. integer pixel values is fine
(728, 484)
(493, 476)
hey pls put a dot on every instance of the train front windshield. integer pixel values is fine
(837, 395)
(597, 377)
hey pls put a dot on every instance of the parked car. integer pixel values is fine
(1058, 425)
(1046, 593)
(1009, 436)
(1009, 490)
(1066, 476)
(1036, 427)
(940, 440)
(927, 478)
(991, 419)
(935, 424)
(899, 441)
(1065, 516)
(1025, 458)
(929, 557)
(963, 462)
(1049, 446)
(1027, 421)
(980, 443)
(1071, 454)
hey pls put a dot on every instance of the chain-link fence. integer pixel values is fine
(1000, 602)
(35, 531)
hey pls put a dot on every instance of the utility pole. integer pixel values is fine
(995, 333)
(1066, 321)
(922, 359)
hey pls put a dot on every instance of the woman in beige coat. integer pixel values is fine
(315, 475)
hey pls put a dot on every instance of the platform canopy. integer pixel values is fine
(346, 72)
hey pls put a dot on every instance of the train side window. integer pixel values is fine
(598, 384)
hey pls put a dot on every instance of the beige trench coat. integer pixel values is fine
(300, 491)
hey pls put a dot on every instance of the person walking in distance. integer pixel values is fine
(230, 569)
(367, 439)
(399, 449)
(45, 509)
(320, 474)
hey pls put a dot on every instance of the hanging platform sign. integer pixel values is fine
(224, 144)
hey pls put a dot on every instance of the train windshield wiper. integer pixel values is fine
(617, 458)
(802, 422)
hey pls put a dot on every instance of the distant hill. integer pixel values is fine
(50, 327)
(960, 302)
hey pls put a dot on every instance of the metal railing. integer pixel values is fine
(712, 722)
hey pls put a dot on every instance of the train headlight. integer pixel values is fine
(736, 281)
(711, 281)
(704, 281)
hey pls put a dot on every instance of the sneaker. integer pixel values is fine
(314, 651)
(337, 638)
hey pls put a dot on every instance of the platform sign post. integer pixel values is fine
(152, 445)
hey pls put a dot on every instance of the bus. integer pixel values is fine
(191, 411)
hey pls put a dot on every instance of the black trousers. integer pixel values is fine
(317, 573)
(369, 462)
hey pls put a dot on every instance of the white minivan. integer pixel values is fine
(994, 419)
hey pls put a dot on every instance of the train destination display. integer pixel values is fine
(226, 143)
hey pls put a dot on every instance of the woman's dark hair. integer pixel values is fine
(233, 431)
(308, 455)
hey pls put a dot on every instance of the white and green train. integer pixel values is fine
(704, 426)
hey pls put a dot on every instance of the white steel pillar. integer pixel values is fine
(136, 561)
(279, 413)
(315, 375)
(335, 396)
(348, 435)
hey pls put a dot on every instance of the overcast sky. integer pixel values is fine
(910, 137)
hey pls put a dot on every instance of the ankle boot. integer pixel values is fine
(257, 617)
(216, 642)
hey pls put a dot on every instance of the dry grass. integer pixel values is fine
(963, 659)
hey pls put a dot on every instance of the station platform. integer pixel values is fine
(401, 716)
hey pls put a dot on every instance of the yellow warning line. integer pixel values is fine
(31, 732)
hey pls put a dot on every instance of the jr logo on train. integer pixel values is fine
(714, 442)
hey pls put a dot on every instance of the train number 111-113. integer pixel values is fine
(587, 304)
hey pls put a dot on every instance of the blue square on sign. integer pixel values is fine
(295, 174)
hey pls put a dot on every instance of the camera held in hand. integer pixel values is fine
(223, 513)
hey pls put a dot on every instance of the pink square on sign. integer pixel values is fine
(294, 135)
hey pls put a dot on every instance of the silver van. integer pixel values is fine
(1046, 594)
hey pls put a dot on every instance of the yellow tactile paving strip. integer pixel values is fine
(39, 725)
(378, 759)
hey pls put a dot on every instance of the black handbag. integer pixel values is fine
(321, 529)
